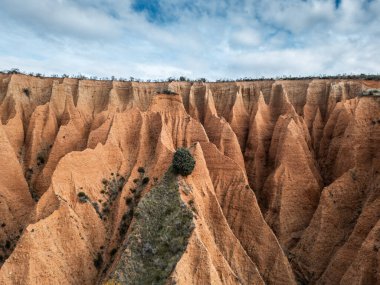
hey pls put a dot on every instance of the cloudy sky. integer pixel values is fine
(153, 39)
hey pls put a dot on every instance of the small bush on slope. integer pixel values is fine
(183, 162)
(83, 198)
(168, 92)
(158, 237)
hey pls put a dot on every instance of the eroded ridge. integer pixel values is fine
(285, 187)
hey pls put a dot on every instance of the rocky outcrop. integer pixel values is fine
(285, 187)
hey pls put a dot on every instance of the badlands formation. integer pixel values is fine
(285, 189)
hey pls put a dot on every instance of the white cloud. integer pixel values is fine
(61, 18)
(298, 16)
(245, 37)
(213, 39)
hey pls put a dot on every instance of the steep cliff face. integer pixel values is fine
(285, 187)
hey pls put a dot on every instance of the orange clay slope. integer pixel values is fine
(285, 190)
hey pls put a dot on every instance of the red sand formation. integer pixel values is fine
(286, 186)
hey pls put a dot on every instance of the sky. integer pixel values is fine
(214, 39)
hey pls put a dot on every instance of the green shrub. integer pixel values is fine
(183, 162)
(145, 180)
(113, 251)
(111, 189)
(82, 197)
(97, 209)
(125, 222)
(26, 92)
(42, 157)
(98, 261)
(141, 169)
(168, 92)
(128, 200)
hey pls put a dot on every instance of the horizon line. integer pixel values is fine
(80, 76)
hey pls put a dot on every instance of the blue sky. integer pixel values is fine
(213, 39)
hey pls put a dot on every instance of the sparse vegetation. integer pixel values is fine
(126, 221)
(113, 251)
(97, 209)
(128, 200)
(158, 237)
(145, 180)
(42, 156)
(167, 92)
(26, 92)
(110, 191)
(183, 162)
(28, 177)
(83, 198)
(353, 174)
(371, 92)
(141, 169)
(7, 246)
(98, 261)
(203, 80)
(192, 206)
(40, 160)
(132, 202)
